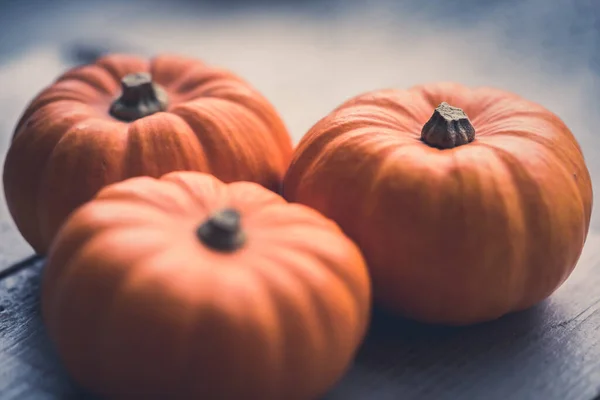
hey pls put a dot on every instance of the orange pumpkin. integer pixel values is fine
(124, 116)
(468, 203)
(189, 288)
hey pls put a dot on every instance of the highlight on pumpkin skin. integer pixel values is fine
(165, 309)
(450, 237)
(125, 116)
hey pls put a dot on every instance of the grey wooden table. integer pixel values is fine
(307, 58)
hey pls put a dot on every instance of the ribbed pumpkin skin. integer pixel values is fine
(140, 308)
(67, 145)
(453, 236)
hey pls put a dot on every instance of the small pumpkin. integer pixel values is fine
(468, 203)
(186, 287)
(125, 116)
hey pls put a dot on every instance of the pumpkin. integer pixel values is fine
(125, 116)
(468, 202)
(190, 288)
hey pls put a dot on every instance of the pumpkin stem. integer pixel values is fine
(139, 98)
(222, 231)
(448, 127)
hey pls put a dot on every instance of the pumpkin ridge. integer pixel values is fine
(113, 73)
(119, 291)
(99, 216)
(349, 283)
(188, 113)
(308, 219)
(527, 215)
(554, 119)
(145, 193)
(217, 88)
(158, 62)
(345, 279)
(47, 97)
(494, 113)
(485, 104)
(322, 309)
(84, 74)
(147, 143)
(43, 108)
(208, 114)
(83, 233)
(567, 174)
(254, 206)
(505, 281)
(206, 74)
(90, 85)
(43, 216)
(39, 204)
(69, 268)
(530, 200)
(390, 158)
(69, 250)
(199, 199)
(199, 148)
(334, 137)
(25, 139)
(262, 111)
(552, 146)
(382, 100)
(356, 142)
(111, 63)
(253, 312)
(274, 294)
(554, 150)
(269, 137)
(245, 191)
(308, 138)
(251, 99)
(362, 116)
(427, 95)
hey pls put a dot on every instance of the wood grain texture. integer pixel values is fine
(549, 352)
(28, 365)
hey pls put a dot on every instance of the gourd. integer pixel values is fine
(124, 116)
(186, 287)
(468, 203)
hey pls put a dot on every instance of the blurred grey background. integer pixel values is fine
(307, 56)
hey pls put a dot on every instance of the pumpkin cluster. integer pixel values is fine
(194, 253)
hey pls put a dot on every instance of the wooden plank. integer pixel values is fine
(28, 366)
(549, 352)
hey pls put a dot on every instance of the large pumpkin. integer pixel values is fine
(125, 116)
(188, 288)
(468, 203)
